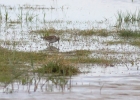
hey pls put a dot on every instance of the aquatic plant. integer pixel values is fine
(119, 16)
(20, 15)
(6, 15)
(58, 66)
(127, 17)
(135, 43)
(129, 33)
(0, 14)
(133, 17)
(89, 32)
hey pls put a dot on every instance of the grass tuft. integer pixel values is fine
(59, 67)
(47, 32)
(99, 32)
(92, 60)
(135, 43)
(129, 33)
(80, 52)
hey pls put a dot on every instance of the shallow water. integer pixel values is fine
(120, 82)
(66, 14)
(100, 84)
(61, 14)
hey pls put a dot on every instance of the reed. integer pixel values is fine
(6, 15)
(119, 16)
(0, 14)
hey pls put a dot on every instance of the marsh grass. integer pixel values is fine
(5, 73)
(14, 64)
(134, 17)
(29, 17)
(85, 56)
(8, 73)
(99, 32)
(20, 57)
(87, 32)
(138, 16)
(14, 22)
(129, 33)
(135, 43)
(92, 60)
(127, 17)
(47, 32)
(119, 16)
(9, 67)
(103, 32)
(6, 15)
(0, 14)
(59, 66)
(132, 42)
(80, 52)
(115, 42)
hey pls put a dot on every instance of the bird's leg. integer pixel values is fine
(58, 48)
(46, 44)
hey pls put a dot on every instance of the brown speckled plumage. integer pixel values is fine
(51, 39)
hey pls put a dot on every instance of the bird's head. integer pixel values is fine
(42, 38)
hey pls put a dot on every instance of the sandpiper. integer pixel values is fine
(51, 39)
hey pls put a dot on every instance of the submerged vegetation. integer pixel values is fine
(17, 63)
(25, 66)
(128, 17)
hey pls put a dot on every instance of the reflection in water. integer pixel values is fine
(17, 31)
(52, 48)
(101, 83)
(49, 83)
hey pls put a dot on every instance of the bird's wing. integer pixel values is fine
(50, 37)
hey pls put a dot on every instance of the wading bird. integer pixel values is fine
(51, 39)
